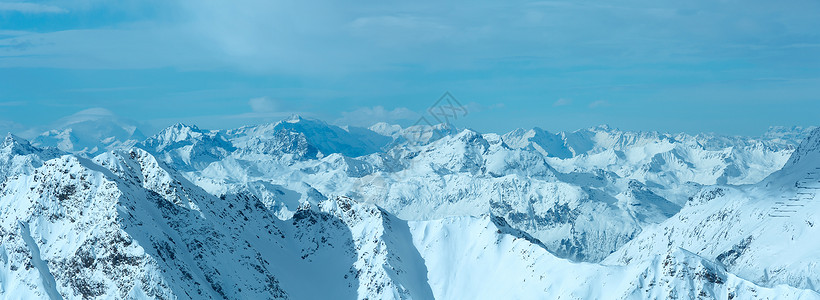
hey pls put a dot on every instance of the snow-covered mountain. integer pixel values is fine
(308, 138)
(303, 209)
(704, 159)
(188, 147)
(627, 180)
(123, 225)
(90, 132)
(18, 156)
(764, 232)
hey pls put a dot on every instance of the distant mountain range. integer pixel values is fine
(303, 209)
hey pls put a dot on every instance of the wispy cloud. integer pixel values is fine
(599, 104)
(30, 8)
(324, 37)
(352, 54)
(562, 102)
(12, 103)
(150, 46)
(262, 105)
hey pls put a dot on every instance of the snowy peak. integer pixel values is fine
(295, 118)
(308, 138)
(173, 136)
(141, 168)
(809, 150)
(385, 129)
(545, 142)
(472, 138)
(90, 132)
(18, 156)
(463, 152)
(420, 135)
(329, 139)
(15, 145)
(188, 147)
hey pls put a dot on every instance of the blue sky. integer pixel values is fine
(733, 67)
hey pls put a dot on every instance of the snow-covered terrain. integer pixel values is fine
(624, 180)
(303, 209)
(764, 232)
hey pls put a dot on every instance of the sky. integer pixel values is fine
(724, 66)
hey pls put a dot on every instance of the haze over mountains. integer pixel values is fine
(304, 209)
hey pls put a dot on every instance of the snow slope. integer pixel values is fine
(764, 232)
(469, 259)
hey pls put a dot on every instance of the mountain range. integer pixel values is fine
(303, 209)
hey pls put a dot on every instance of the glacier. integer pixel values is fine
(304, 209)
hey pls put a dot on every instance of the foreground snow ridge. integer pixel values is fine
(301, 209)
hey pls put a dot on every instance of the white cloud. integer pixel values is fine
(101, 117)
(94, 113)
(262, 105)
(322, 37)
(599, 103)
(146, 47)
(331, 40)
(400, 30)
(562, 102)
(31, 8)
(366, 116)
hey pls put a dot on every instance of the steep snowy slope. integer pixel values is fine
(137, 233)
(126, 226)
(386, 265)
(765, 232)
(469, 258)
